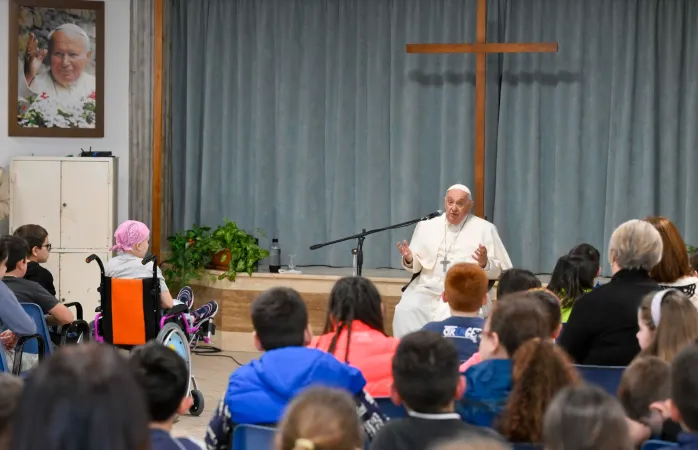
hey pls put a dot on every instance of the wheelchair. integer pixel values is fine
(130, 315)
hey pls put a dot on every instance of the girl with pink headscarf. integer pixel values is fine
(132, 244)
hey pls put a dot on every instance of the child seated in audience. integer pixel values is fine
(427, 384)
(516, 280)
(132, 243)
(320, 418)
(521, 371)
(667, 322)
(29, 291)
(259, 391)
(354, 333)
(684, 392)
(646, 382)
(571, 279)
(584, 418)
(164, 377)
(39, 251)
(465, 291)
(591, 257)
(472, 443)
(11, 391)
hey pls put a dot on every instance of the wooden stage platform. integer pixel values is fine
(233, 325)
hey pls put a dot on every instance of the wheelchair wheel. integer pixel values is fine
(198, 406)
(172, 336)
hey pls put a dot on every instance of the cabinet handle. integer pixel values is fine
(65, 204)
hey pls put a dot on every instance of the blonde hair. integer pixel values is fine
(635, 244)
(321, 418)
(677, 327)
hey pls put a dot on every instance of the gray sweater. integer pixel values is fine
(12, 316)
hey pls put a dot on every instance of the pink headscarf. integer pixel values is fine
(129, 234)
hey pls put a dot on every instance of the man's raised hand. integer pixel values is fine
(405, 251)
(33, 58)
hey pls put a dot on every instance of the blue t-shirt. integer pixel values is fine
(464, 332)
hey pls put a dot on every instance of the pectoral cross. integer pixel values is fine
(445, 263)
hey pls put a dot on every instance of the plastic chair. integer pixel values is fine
(37, 315)
(390, 409)
(253, 437)
(606, 377)
(3, 362)
(654, 444)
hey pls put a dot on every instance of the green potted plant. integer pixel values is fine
(190, 253)
(235, 251)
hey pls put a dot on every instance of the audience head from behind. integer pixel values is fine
(585, 417)
(3, 258)
(684, 389)
(572, 277)
(17, 251)
(132, 237)
(425, 374)
(37, 240)
(635, 245)
(84, 397)
(550, 307)
(10, 392)
(353, 299)
(516, 280)
(591, 257)
(674, 263)
(164, 377)
(465, 289)
(519, 330)
(280, 319)
(320, 418)
(645, 381)
(667, 322)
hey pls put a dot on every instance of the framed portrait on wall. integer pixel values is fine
(56, 68)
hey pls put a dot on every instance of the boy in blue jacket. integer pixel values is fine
(258, 392)
(684, 392)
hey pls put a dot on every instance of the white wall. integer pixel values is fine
(116, 65)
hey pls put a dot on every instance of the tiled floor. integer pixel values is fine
(211, 373)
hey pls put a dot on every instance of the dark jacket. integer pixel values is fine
(602, 328)
(39, 274)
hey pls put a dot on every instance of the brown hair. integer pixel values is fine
(585, 417)
(645, 381)
(324, 418)
(465, 287)
(35, 235)
(11, 388)
(550, 306)
(678, 325)
(674, 263)
(540, 369)
(517, 320)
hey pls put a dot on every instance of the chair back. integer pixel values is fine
(253, 437)
(606, 377)
(390, 409)
(37, 315)
(654, 444)
(130, 311)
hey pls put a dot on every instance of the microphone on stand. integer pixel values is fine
(432, 215)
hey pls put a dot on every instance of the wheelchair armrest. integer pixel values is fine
(78, 308)
(176, 310)
(77, 325)
(19, 350)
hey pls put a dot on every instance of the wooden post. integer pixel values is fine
(156, 207)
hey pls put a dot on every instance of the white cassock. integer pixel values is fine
(44, 83)
(433, 242)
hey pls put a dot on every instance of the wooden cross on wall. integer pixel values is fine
(481, 48)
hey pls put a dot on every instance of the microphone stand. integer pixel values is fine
(361, 237)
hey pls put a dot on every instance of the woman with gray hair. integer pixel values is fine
(602, 327)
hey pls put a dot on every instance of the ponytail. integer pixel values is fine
(540, 369)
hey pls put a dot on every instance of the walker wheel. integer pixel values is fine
(198, 406)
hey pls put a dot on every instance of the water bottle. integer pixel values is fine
(274, 256)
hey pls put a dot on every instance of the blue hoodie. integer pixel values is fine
(259, 391)
(487, 388)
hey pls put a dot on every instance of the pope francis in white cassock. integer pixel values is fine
(457, 236)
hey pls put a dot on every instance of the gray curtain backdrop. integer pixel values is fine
(307, 119)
